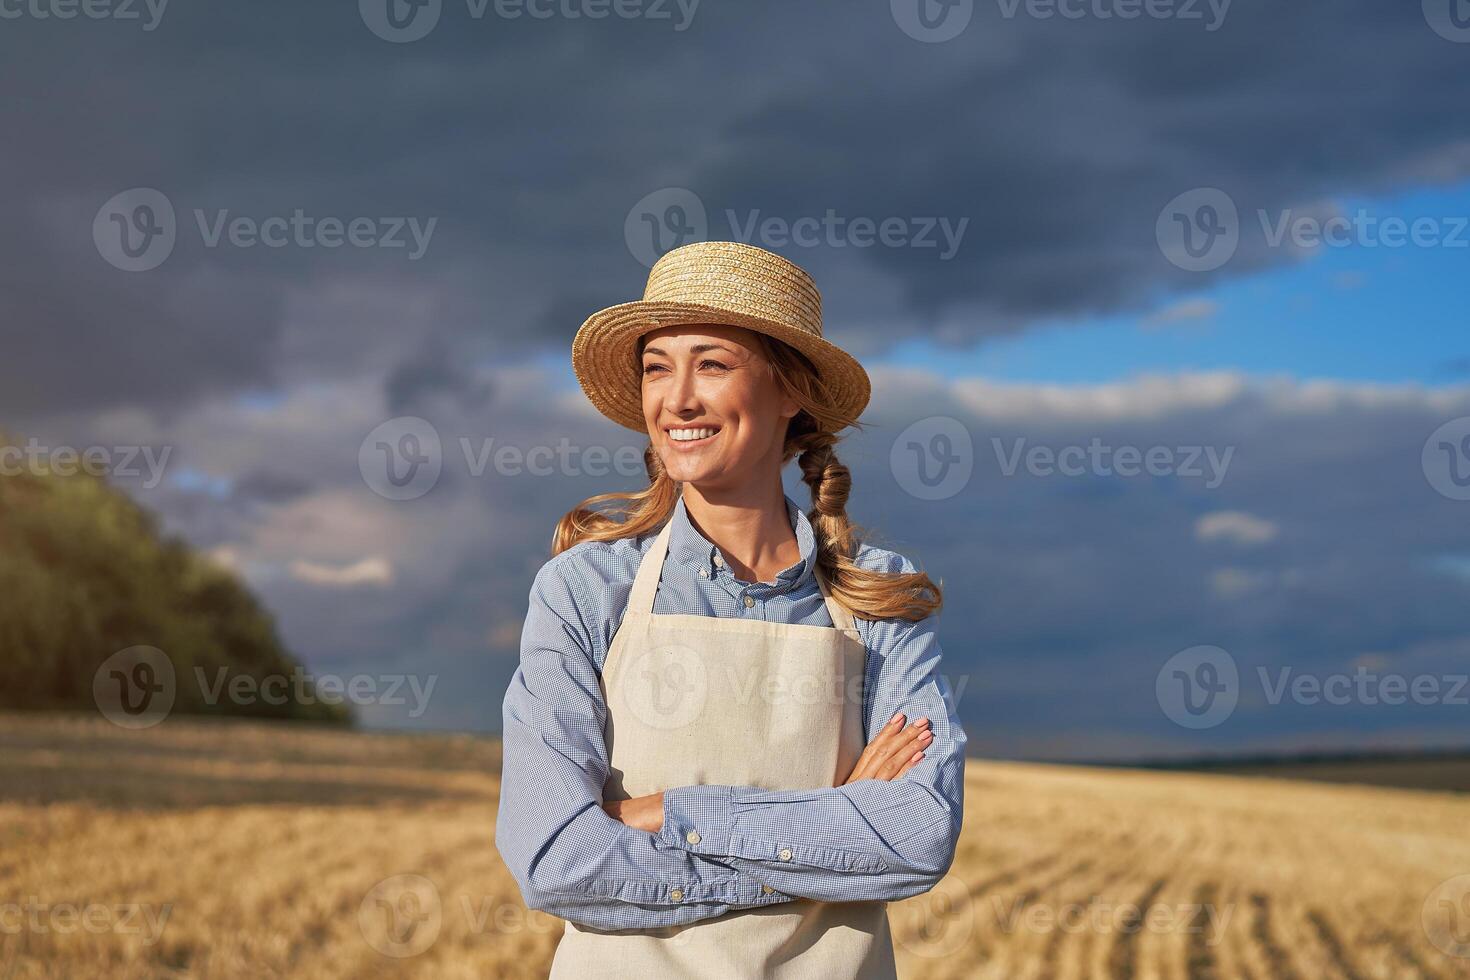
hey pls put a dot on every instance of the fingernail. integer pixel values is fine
(896, 719)
(921, 722)
(917, 757)
(927, 736)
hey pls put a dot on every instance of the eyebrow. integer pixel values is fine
(696, 349)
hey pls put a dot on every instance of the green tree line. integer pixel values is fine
(86, 572)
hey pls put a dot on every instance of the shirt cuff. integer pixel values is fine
(702, 820)
(699, 819)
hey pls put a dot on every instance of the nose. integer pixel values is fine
(680, 397)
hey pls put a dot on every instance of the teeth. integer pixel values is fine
(686, 435)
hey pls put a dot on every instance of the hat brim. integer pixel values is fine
(605, 362)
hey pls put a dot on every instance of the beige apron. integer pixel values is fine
(698, 700)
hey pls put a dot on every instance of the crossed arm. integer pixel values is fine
(717, 847)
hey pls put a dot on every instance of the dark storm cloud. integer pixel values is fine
(528, 141)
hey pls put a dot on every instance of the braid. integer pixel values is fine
(830, 483)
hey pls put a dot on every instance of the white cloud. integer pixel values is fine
(368, 571)
(1235, 526)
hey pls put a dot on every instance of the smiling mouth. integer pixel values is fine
(692, 437)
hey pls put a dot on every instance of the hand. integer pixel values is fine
(894, 751)
(640, 813)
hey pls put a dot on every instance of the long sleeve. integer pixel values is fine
(569, 857)
(872, 840)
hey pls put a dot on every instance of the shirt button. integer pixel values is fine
(703, 573)
(749, 601)
(677, 895)
(692, 837)
(767, 890)
(719, 560)
(786, 854)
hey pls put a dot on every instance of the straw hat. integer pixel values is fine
(711, 282)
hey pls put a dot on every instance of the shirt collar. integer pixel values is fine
(688, 547)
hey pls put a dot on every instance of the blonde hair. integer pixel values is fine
(810, 438)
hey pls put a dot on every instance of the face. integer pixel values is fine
(712, 382)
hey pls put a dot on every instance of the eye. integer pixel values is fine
(650, 368)
(715, 363)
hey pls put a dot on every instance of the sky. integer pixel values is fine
(1230, 238)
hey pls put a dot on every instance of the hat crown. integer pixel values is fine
(738, 277)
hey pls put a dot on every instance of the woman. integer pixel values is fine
(686, 779)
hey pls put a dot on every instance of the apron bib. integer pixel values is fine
(695, 700)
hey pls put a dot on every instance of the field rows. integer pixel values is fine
(245, 851)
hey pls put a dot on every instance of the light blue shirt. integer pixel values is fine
(872, 840)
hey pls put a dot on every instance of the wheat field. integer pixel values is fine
(213, 849)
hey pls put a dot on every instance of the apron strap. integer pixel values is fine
(841, 618)
(650, 570)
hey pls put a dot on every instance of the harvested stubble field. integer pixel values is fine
(247, 850)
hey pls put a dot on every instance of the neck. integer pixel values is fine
(749, 526)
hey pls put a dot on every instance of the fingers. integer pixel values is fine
(892, 752)
(874, 751)
(907, 750)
